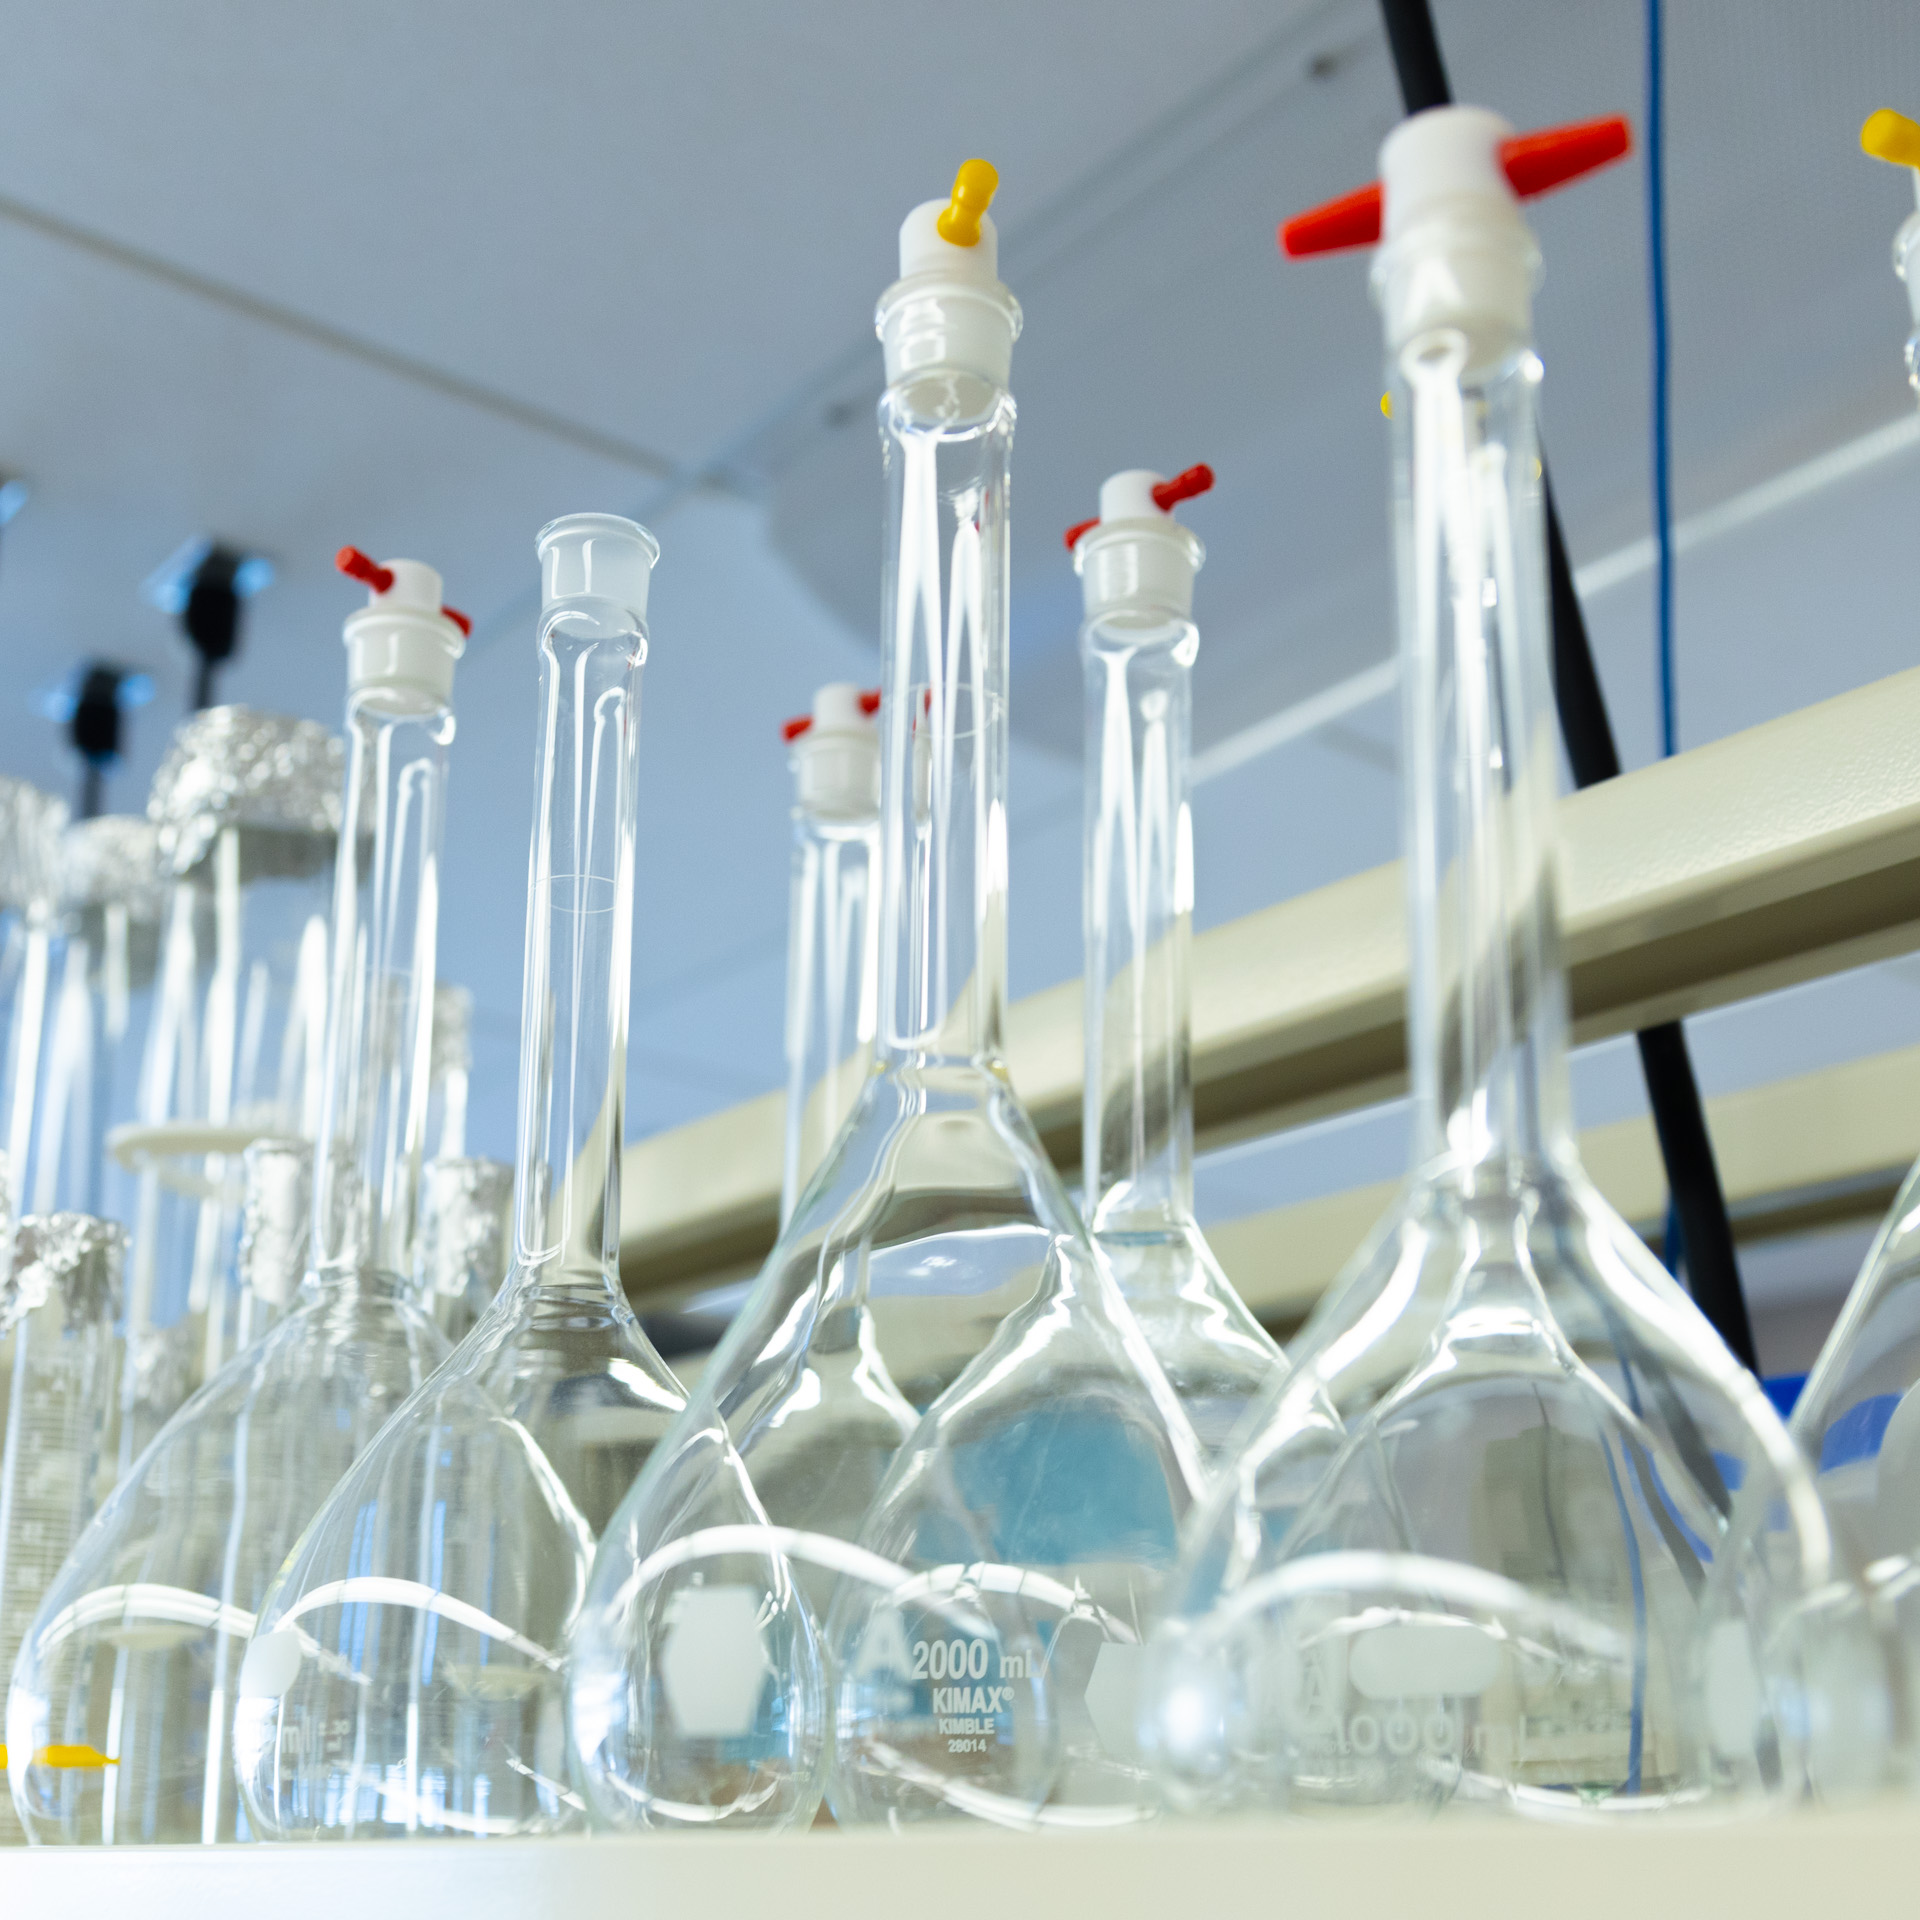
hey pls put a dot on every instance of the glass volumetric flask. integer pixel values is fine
(1561, 1560)
(934, 1261)
(137, 1649)
(466, 1239)
(1137, 646)
(59, 1303)
(247, 807)
(405, 1677)
(833, 931)
(1859, 1412)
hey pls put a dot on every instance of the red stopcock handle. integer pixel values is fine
(803, 723)
(370, 573)
(1166, 495)
(1534, 163)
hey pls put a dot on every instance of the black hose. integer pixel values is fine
(1679, 1119)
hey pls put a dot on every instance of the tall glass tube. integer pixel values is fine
(1562, 1562)
(934, 1261)
(833, 928)
(1138, 647)
(405, 1677)
(59, 1304)
(136, 1652)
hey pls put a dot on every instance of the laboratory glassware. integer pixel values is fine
(466, 1238)
(1858, 1415)
(112, 895)
(59, 1303)
(1138, 646)
(137, 1649)
(247, 806)
(833, 929)
(934, 1261)
(450, 1072)
(405, 1677)
(1543, 1547)
(32, 825)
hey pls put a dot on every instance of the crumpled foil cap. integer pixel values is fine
(31, 824)
(73, 1255)
(160, 1364)
(235, 766)
(114, 861)
(452, 1050)
(276, 1217)
(466, 1226)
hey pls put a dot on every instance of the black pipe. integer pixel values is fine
(94, 731)
(210, 619)
(1679, 1119)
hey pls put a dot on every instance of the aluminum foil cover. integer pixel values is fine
(276, 1217)
(72, 1255)
(452, 1031)
(234, 766)
(31, 825)
(114, 861)
(466, 1234)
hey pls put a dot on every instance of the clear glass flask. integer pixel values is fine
(247, 809)
(1137, 647)
(59, 1305)
(405, 1678)
(1541, 1549)
(1859, 1412)
(833, 929)
(935, 1261)
(136, 1652)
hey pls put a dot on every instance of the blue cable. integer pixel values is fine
(1662, 432)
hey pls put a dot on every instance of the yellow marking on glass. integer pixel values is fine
(1386, 406)
(973, 189)
(80, 1759)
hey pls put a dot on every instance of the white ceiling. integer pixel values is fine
(421, 276)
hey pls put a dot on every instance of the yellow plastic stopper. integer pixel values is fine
(973, 189)
(1886, 136)
(78, 1759)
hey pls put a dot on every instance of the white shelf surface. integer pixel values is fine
(1786, 1867)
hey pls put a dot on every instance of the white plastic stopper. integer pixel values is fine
(1137, 557)
(597, 556)
(836, 762)
(400, 644)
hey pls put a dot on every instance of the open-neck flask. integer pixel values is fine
(1137, 646)
(135, 1655)
(935, 1261)
(1858, 1415)
(1542, 1548)
(833, 928)
(405, 1677)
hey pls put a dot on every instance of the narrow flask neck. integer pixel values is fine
(1487, 1000)
(1137, 1112)
(385, 929)
(947, 439)
(573, 1021)
(832, 986)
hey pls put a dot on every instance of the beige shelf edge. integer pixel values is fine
(1675, 1868)
(1818, 1149)
(1771, 857)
